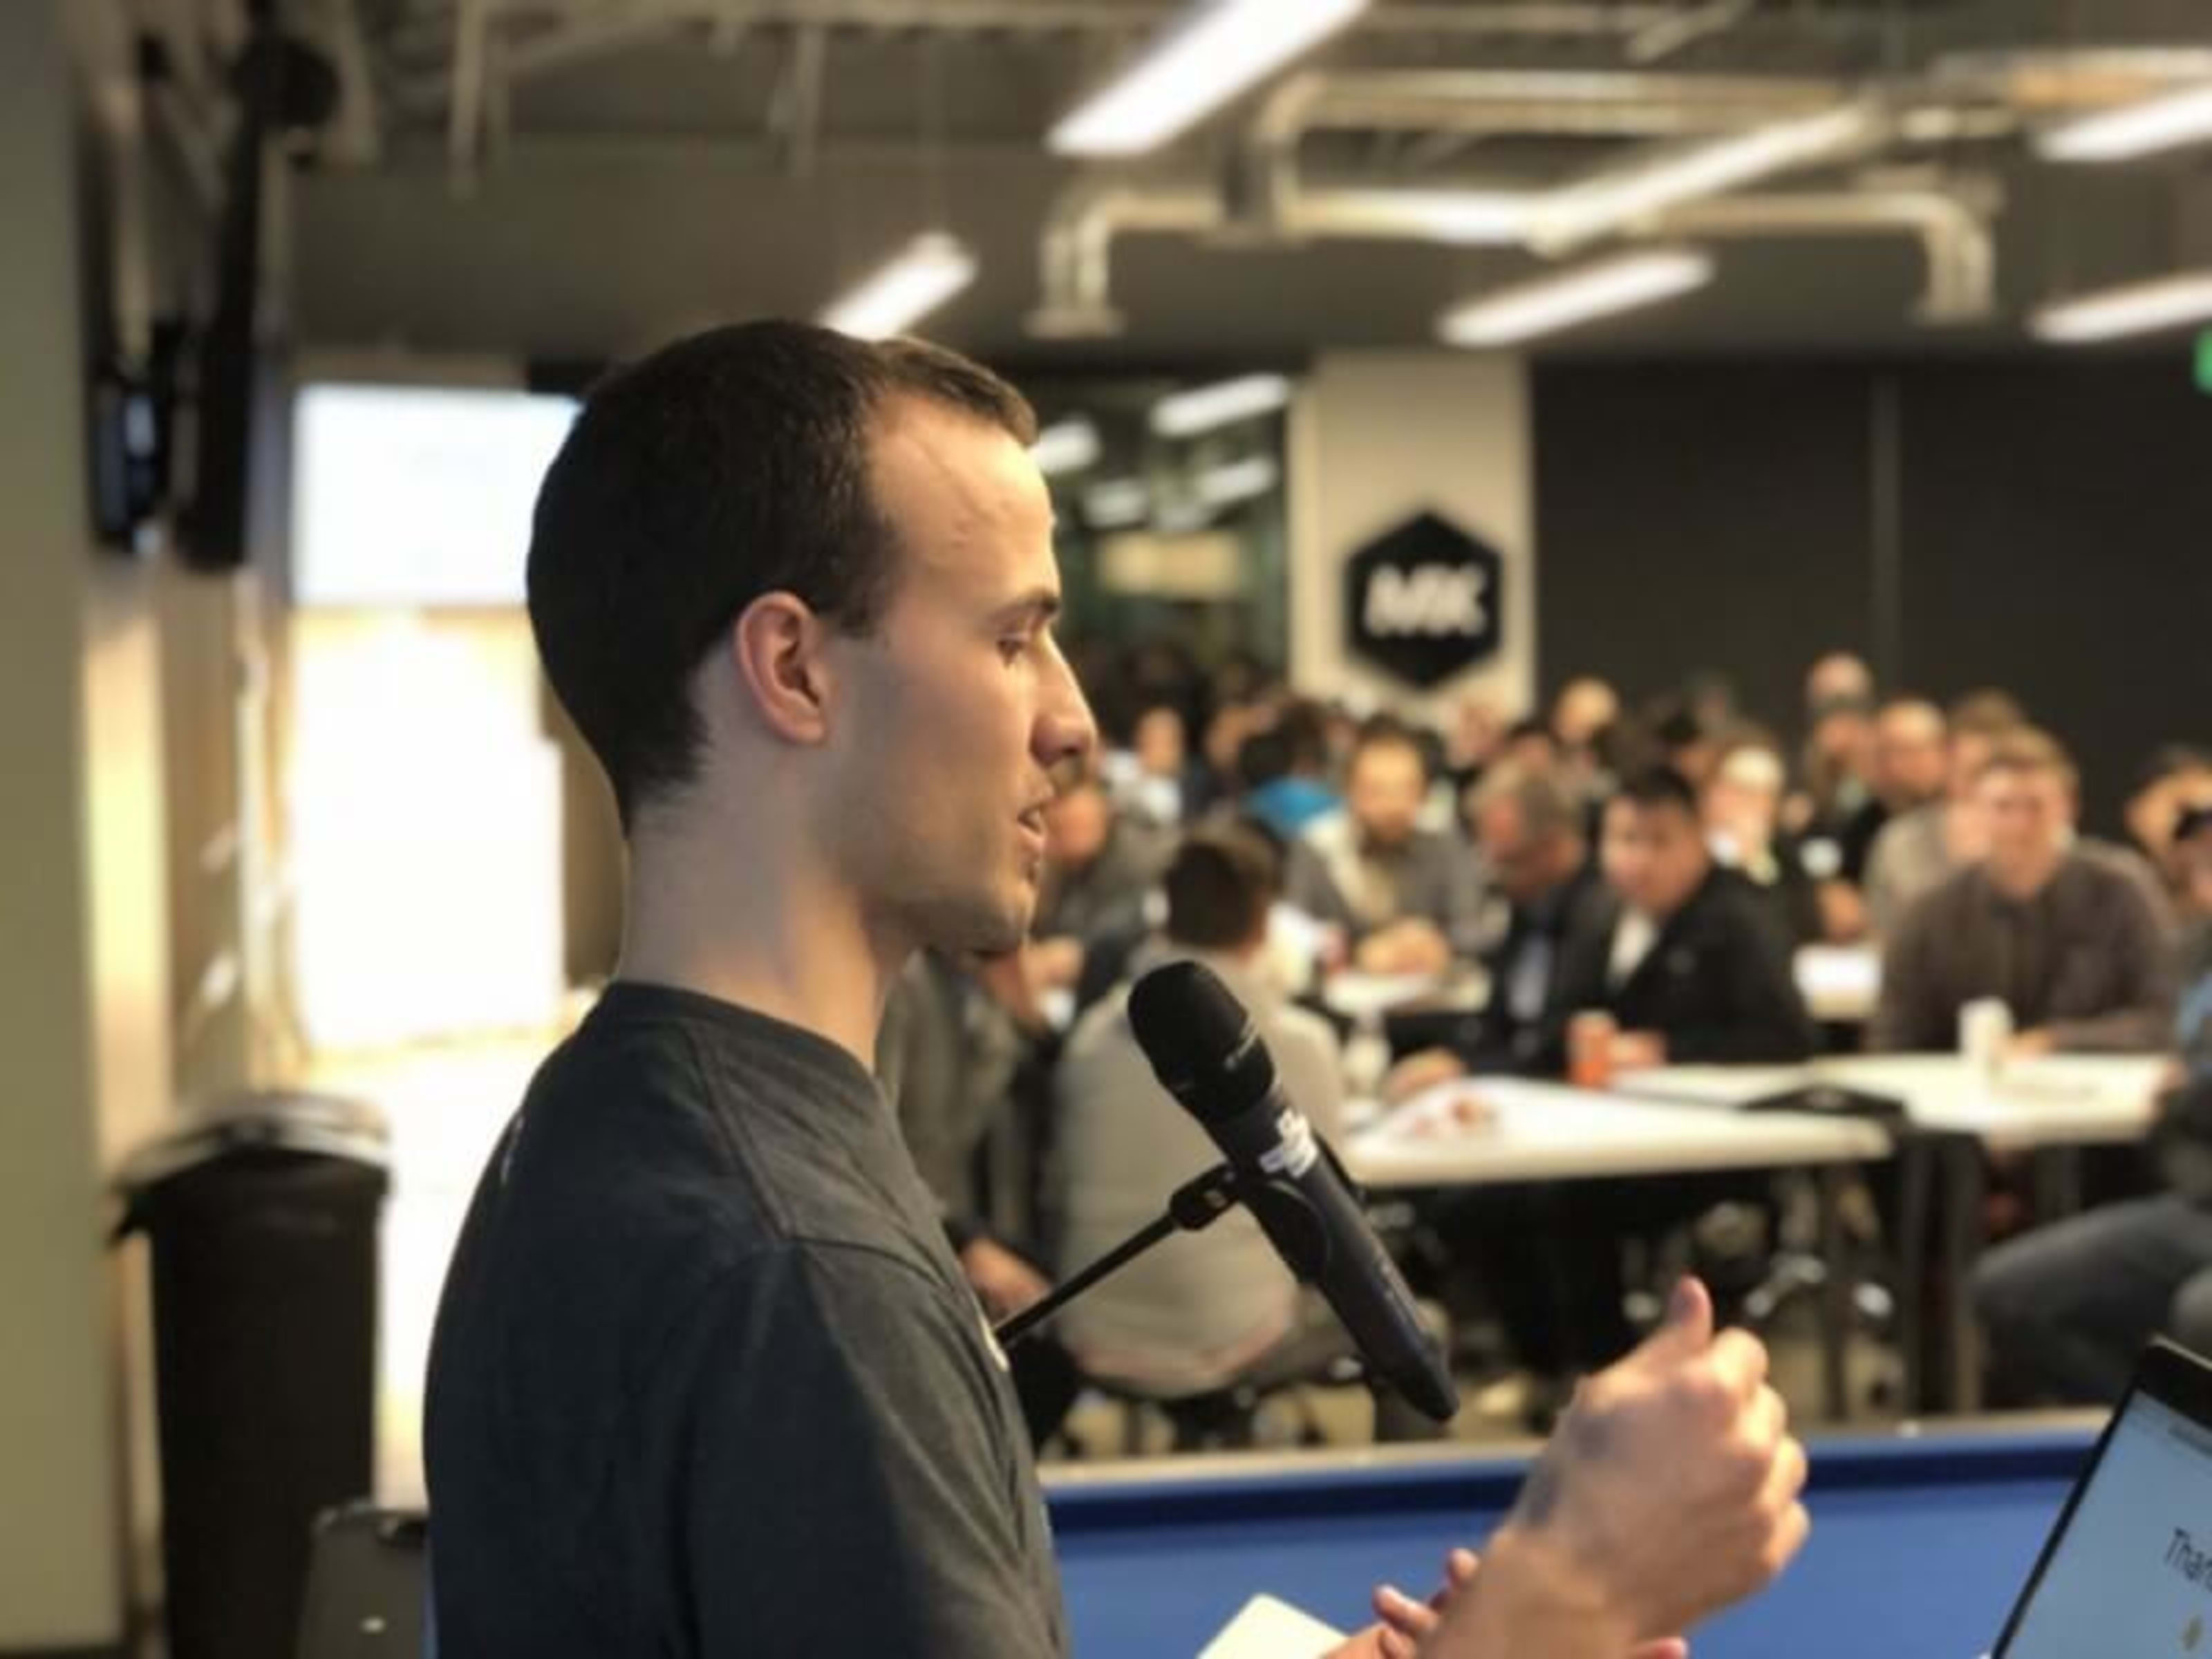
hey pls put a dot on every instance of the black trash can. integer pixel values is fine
(262, 1214)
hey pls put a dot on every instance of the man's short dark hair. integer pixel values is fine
(725, 466)
(1658, 786)
(1987, 713)
(2027, 749)
(1390, 732)
(1220, 884)
(1548, 805)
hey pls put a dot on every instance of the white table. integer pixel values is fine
(1547, 1132)
(2048, 1107)
(2056, 1100)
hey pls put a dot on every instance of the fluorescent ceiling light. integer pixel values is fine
(2144, 127)
(1065, 446)
(1476, 217)
(1576, 212)
(1216, 50)
(1203, 408)
(1118, 503)
(2139, 308)
(1552, 303)
(916, 280)
(1236, 480)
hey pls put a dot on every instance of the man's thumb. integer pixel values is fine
(1688, 1328)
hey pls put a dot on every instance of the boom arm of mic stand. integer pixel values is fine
(1195, 1205)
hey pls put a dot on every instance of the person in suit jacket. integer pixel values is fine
(1690, 963)
(1683, 955)
(1526, 825)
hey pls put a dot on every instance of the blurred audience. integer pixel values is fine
(1407, 897)
(1683, 959)
(1101, 869)
(1199, 1312)
(1743, 808)
(1912, 761)
(1285, 770)
(1914, 852)
(2069, 944)
(1151, 780)
(2177, 780)
(1839, 772)
(1838, 679)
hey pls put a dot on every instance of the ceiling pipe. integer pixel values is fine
(1076, 250)
(1952, 225)
(1953, 232)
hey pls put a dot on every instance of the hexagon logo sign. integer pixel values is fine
(1423, 600)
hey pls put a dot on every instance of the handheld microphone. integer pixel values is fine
(1208, 1054)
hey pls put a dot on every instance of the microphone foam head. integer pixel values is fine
(1202, 1044)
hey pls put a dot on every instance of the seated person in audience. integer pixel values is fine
(953, 1057)
(1911, 761)
(1838, 766)
(1531, 744)
(1217, 778)
(1839, 677)
(1683, 956)
(2176, 780)
(2071, 945)
(1285, 768)
(1529, 826)
(1472, 745)
(1201, 1311)
(1529, 829)
(1407, 898)
(1586, 727)
(1917, 850)
(1684, 742)
(1581, 711)
(2068, 1307)
(1101, 867)
(1743, 808)
(1161, 744)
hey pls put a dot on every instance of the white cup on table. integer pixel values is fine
(1985, 1032)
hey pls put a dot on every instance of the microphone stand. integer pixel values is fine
(1195, 1205)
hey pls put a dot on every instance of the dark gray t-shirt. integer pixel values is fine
(706, 1380)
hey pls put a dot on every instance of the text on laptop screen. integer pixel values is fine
(2133, 1575)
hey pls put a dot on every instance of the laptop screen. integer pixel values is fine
(2132, 1572)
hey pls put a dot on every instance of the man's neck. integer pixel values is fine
(789, 949)
(2020, 883)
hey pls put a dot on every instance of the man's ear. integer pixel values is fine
(776, 647)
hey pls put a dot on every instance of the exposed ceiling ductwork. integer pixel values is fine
(1726, 132)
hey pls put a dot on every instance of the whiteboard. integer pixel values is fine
(414, 495)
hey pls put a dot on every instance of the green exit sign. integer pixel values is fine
(2204, 361)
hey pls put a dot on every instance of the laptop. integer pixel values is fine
(2128, 1569)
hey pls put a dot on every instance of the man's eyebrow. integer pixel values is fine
(1041, 605)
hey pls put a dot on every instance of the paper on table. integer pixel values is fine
(1269, 1629)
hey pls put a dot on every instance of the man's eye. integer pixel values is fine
(1012, 648)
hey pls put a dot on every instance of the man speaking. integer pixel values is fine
(707, 1379)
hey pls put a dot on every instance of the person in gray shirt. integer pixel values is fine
(1408, 899)
(706, 1381)
(2071, 945)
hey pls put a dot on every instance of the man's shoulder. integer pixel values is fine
(1729, 908)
